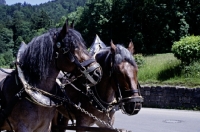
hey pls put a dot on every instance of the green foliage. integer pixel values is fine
(95, 20)
(153, 25)
(6, 59)
(40, 20)
(76, 15)
(139, 60)
(2, 60)
(187, 49)
(17, 44)
(61, 22)
(22, 21)
(6, 39)
(58, 8)
(192, 70)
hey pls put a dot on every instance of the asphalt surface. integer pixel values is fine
(159, 120)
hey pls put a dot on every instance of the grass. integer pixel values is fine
(165, 69)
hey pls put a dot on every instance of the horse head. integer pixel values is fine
(70, 49)
(120, 65)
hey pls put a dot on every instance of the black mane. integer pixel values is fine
(122, 54)
(38, 56)
(76, 38)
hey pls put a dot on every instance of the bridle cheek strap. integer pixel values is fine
(70, 56)
(82, 67)
(89, 70)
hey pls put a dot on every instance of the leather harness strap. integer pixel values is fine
(4, 71)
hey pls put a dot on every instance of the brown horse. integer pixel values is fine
(26, 94)
(118, 89)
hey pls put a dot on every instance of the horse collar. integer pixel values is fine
(35, 95)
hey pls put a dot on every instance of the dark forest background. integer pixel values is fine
(152, 25)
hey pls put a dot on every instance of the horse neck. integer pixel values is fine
(105, 88)
(48, 83)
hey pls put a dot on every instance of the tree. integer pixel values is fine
(21, 29)
(95, 20)
(41, 20)
(2, 2)
(6, 41)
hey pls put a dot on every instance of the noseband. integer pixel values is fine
(129, 99)
(84, 67)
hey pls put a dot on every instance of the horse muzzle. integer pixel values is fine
(132, 105)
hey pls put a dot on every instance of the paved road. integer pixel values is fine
(160, 120)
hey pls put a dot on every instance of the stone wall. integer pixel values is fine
(171, 97)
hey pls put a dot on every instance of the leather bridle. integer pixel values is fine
(122, 97)
(84, 67)
(126, 96)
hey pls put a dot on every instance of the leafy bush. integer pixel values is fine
(192, 70)
(139, 59)
(187, 49)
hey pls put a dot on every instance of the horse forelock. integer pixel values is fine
(122, 54)
(77, 41)
(37, 57)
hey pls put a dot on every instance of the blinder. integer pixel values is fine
(90, 72)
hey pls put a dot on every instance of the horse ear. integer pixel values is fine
(65, 27)
(113, 47)
(131, 47)
(64, 30)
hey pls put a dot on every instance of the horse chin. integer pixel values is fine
(131, 108)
